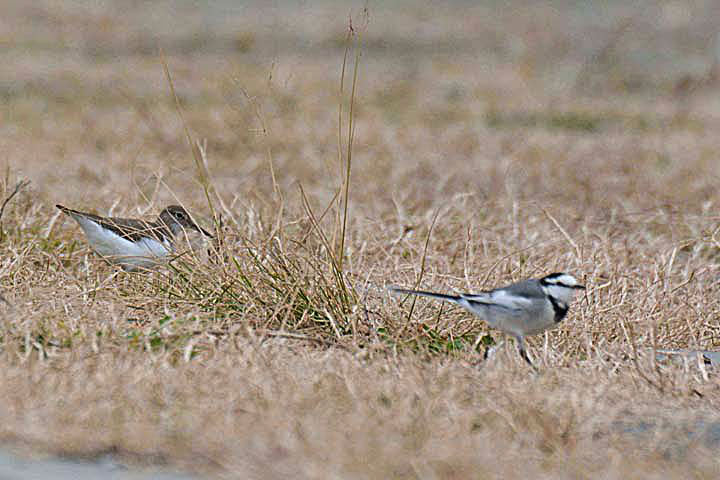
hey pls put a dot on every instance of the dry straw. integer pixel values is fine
(278, 352)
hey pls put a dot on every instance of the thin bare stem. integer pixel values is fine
(18, 186)
(195, 148)
(422, 271)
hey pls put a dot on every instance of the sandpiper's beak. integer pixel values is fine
(202, 230)
(579, 287)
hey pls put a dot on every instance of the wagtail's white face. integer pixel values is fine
(562, 286)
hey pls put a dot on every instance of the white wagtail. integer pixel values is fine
(520, 309)
(131, 243)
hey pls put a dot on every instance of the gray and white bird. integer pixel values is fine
(524, 308)
(132, 243)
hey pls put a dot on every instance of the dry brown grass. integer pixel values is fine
(278, 356)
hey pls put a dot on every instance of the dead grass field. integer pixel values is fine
(562, 136)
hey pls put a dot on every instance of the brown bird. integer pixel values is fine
(132, 243)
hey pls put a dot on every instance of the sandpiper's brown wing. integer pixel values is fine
(128, 228)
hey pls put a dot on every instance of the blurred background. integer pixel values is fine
(82, 82)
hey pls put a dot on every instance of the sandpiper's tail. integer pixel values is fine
(76, 213)
(66, 209)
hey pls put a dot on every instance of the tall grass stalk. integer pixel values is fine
(195, 147)
(351, 137)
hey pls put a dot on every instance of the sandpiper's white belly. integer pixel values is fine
(130, 255)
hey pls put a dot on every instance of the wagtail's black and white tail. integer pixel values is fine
(421, 293)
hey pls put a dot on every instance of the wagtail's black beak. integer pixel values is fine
(579, 287)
